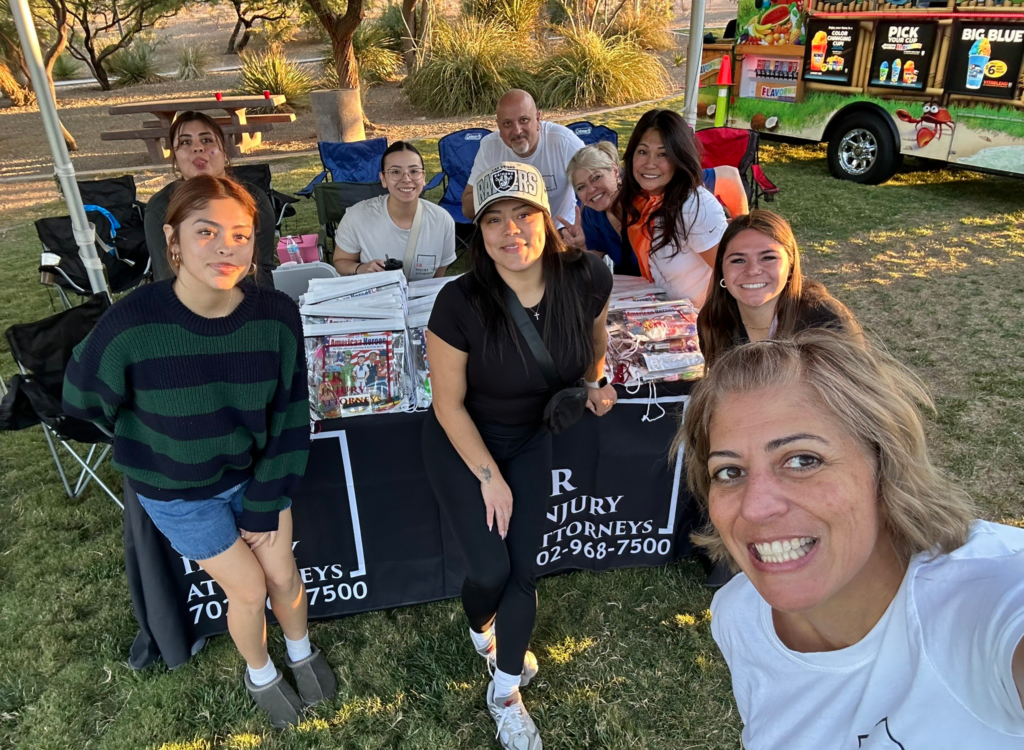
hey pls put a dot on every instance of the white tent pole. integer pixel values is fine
(694, 52)
(85, 233)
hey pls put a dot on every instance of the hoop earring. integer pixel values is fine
(176, 259)
(721, 283)
(252, 269)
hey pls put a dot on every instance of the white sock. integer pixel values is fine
(505, 684)
(264, 676)
(298, 650)
(481, 640)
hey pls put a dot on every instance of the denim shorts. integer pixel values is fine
(199, 529)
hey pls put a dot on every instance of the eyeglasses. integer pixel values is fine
(415, 173)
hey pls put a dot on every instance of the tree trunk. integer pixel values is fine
(411, 34)
(344, 57)
(19, 95)
(231, 50)
(246, 36)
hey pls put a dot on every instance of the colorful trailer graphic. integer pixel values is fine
(880, 79)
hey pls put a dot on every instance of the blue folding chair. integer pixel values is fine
(457, 151)
(590, 133)
(358, 161)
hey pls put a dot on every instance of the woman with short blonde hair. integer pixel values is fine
(870, 608)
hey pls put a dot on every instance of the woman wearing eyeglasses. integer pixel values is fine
(379, 228)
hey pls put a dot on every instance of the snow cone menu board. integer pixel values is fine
(831, 48)
(903, 53)
(986, 59)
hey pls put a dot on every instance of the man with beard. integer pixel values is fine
(523, 137)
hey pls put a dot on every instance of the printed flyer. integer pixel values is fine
(831, 50)
(986, 59)
(902, 54)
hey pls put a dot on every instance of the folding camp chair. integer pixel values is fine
(42, 351)
(590, 133)
(735, 147)
(333, 199)
(258, 175)
(457, 152)
(358, 161)
(113, 209)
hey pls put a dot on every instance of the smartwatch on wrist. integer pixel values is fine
(599, 384)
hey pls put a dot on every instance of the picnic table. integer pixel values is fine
(244, 130)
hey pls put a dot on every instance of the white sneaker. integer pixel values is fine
(530, 667)
(516, 730)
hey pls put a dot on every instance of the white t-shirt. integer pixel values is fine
(555, 147)
(685, 275)
(368, 229)
(934, 672)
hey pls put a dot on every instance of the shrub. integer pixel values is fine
(521, 16)
(193, 62)
(65, 68)
(471, 64)
(271, 71)
(374, 48)
(393, 28)
(587, 69)
(649, 28)
(134, 64)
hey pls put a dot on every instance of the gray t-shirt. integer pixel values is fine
(368, 229)
(555, 147)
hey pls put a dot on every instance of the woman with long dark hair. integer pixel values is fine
(759, 292)
(673, 223)
(486, 443)
(198, 148)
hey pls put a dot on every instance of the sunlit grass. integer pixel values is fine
(932, 264)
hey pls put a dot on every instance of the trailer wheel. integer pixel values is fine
(863, 150)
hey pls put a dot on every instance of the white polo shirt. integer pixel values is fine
(555, 147)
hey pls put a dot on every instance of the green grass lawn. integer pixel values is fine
(933, 265)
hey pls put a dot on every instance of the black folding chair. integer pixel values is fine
(332, 200)
(117, 215)
(259, 176)
(42, 351)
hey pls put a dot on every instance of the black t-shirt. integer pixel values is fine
(818, 309)
(502, 385)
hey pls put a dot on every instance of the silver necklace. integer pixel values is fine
(536, 311)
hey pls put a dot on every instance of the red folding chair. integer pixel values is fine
(735, 147)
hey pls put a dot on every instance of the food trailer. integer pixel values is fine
(876, 80)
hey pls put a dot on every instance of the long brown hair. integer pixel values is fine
(684, 152)
(719, 323)
(195, 195)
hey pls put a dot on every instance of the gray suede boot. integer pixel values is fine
(277, 699)
(314, 678)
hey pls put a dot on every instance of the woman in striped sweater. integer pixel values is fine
(202, 380)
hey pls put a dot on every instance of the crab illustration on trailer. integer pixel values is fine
(931, 124)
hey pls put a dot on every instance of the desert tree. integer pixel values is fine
(15, 77)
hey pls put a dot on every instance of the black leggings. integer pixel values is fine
(501, 573)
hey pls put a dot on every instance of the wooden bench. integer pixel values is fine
(251, 133)
(276, 118)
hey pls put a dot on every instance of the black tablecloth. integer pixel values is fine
(369, 535)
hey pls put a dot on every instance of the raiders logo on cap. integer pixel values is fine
(510, 180)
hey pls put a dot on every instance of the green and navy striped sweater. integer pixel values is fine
(199, 405)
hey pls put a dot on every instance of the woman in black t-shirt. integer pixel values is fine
(486, 450)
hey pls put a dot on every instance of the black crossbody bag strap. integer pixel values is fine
(534, 341)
